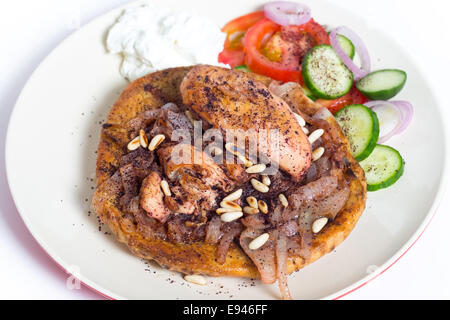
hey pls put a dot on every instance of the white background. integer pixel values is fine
(30, 29)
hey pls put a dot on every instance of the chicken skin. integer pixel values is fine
(233, 101)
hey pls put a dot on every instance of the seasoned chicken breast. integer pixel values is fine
(152, 197)
(232, 100)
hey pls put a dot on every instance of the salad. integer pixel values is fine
(285, 43)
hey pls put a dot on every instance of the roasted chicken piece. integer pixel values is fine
(186, 159)
(196, 176)
(152, 197)
(232, 100)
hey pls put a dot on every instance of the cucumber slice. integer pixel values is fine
(242, 68)
(382, 84)
(325, 74)
(346, 45)
(383, 168)
(360, 126)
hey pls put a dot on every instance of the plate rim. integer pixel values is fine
(409, 244)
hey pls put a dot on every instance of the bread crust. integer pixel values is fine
(152, 91)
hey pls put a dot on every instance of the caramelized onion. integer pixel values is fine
(213, 232)
(323, 114)
(281, 254)
(263, 258)
(232, 231)
(280, 90)
(314, 190)
(331, 205)
(290, 228)
(255, 222)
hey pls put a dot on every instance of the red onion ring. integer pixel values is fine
(360, 47)
(287, 13)
(408, 112)
(405, 111)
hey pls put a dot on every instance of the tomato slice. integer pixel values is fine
(357, 97)
(261, 44)
(285, 70)
(293, 45)
(233, 52)
(243, 23)
(354, 96)
(316, 31)
(306, 36)
(233, 58)
(236, 29)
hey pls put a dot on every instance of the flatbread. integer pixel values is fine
(153, 91)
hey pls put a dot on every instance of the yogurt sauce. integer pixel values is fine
(152, 38)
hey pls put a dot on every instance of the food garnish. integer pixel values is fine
(383, 167)
(394, 117)
(284, 43)
(325, 74)
(360, 47)
(382, 84)
(360, 126)
(287, 13)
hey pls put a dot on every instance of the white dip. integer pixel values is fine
(152, 38)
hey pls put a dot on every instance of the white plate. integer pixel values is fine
(50, 157)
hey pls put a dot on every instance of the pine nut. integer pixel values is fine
(266, 180)
(231, 216)
(319, 224)
(189, 116)
(318, 153)
(258, 242)
(262, 205)
(165, 188)
(300, 120)
(230, 205)
(313, 137)
(220, 211)
(250, 210)
(233, 196)
(156, 141)
(134, 144)
(195, 279)
(252, 202)
(143, 139)
(259, 186)
(258, 168)
(283, 199)
(247, 163)
(305, 130)
(232, 148)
